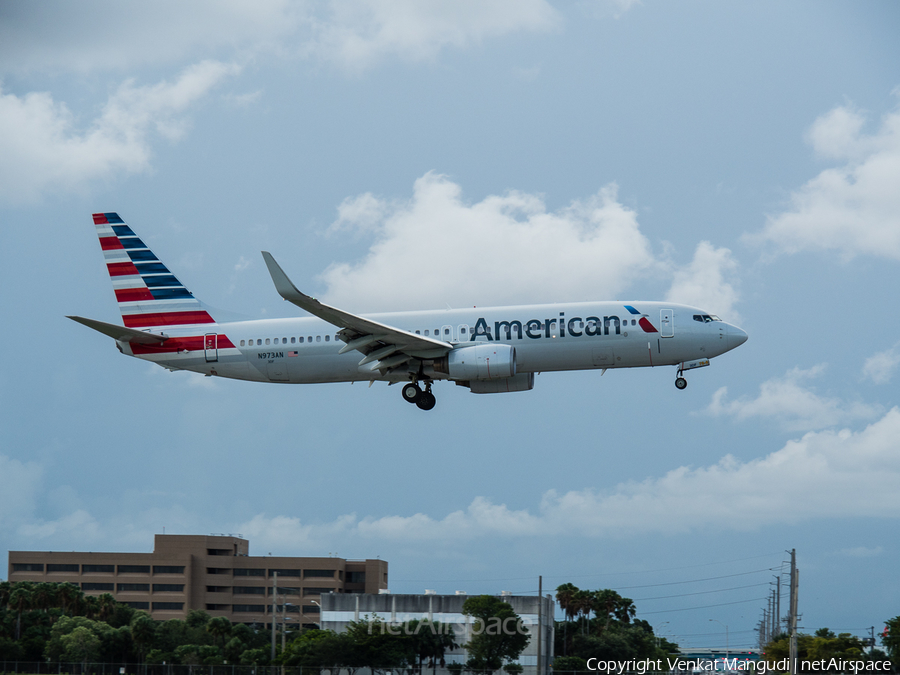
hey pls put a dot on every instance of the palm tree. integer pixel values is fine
(106, 606)
(20, 599)
(220, 628)
(584, 604)
(611, 605)
(91, 606)
(68, 596)
(565, 596)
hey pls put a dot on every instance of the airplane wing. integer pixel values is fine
(383, 346)
(121, 333)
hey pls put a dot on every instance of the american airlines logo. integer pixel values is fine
(537, 329)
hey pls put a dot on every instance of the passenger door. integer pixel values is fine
(666, 323)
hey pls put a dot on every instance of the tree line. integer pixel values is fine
(602, 624)
(830, 650)
(58, 623)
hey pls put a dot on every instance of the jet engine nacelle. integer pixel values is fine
(479, 362)
(521, 382)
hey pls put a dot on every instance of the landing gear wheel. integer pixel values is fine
(681, 383)
(427, 401)
(412, 393)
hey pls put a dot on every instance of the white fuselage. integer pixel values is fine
(551, 337)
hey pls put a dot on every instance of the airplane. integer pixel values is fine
(487, 349)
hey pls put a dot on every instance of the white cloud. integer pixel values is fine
(853, 208)
(795, 406)
(861, 552)
(703, 283)
(41, 148)
(504, 249)
(824, 474)
(78, 526)
(356, 32)
(96, 35)
(880, 367)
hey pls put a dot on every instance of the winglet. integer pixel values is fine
(291, 293)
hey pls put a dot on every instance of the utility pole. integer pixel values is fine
(795, 584)
(778, 607)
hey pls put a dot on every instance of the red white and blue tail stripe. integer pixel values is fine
(149, 295)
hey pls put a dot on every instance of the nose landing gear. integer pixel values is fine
(680, 382)
(412, 393)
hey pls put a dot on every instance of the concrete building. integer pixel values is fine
(339, 610)
(215, 573)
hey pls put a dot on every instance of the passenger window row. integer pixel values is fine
(284, 340)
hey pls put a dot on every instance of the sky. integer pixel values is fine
(743, 157)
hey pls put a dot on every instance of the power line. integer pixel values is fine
(584, 576)
(687, 609)
(684, 595)
(694, 581)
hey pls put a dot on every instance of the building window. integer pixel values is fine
(318, 573)
(98, 569)
(288, 609)
(286, 590)
(137, 605)
(218, 570)
(356, 577)
(249, 590)
(217, 608)
(55, 567)
(168, 588)
(310, 609)
(176, 606)
(317, 591)
(218, 589)
(285, 573)
(97, 587)
(134, 569)
(240, 572)
(133, 587)
(218, 551)
(248, 608)
(168, 569)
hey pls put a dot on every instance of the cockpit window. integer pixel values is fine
(706, 318)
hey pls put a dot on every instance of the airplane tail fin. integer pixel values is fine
(148, 294)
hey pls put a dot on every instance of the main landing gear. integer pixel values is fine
(413, 394)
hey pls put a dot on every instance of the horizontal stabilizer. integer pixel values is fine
(121, 333)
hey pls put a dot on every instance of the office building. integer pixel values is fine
(536, 614)
(215, 573)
